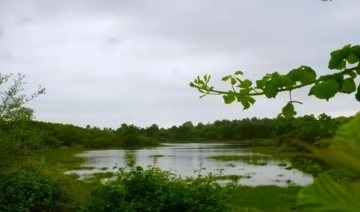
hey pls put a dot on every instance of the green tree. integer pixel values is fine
(343, 152)
(14, 115)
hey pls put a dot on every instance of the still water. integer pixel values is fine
(185, 158)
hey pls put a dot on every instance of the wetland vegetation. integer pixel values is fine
(286, 163)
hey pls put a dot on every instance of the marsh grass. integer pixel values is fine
(256, 159)
(104, 168)
(83, 168)
(159, 156)
(64, 158)
(266, 198)
(229, 177)
(240, 157)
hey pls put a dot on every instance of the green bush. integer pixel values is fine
(31, 188)
(156, 190)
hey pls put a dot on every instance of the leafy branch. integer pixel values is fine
(12, 100)
(323, 87)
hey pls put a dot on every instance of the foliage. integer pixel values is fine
(32, 187)
(343, 152)
(13, 114)
(37, 135)
(326, 195)
(156, 190)
(20, 134)
(323, 87)
(267, 198)
(12, 100)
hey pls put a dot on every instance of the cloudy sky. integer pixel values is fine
(109, 62)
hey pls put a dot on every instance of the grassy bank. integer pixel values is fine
(277, 153)
(264, 198)
(243, 198)
(64, 157)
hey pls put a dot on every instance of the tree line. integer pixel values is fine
(30, 134)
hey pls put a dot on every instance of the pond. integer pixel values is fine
(255, 169)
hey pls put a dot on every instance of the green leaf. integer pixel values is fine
(325, 90)
(281, 80)
(325, 196)
(250, 99)
(226, 78)
(245, 84)
(337, 59)
(289, 111)
(261, 83)
(239, 73)
(352, 75)
(348, 86)
(233, 81)
(245, 100)
(345, 149)
(349, 132)
(246, 104)
(356, 51)
(352, 59)
(245, 90)
(228, 99)
(271, 90)
(357, 95)
(303, 74)
(346, 50)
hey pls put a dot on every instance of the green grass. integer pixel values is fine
(83, 168)
(277, 153)
(64, 157)
(289, 168)
(104, 168)
(229, 177)
(157, 156)
(257, 160)
(102, 175)
(256, 163)
(282, 164)
(97, 177)
(239, 157)
(264, 198)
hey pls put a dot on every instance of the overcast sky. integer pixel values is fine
(109, 62)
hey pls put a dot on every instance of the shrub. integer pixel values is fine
(156, 190)
(31, 188)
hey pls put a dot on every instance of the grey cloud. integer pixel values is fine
(22, 21)
(6, 55)
(109, 62)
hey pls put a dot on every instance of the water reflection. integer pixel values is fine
(185, 158)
